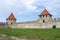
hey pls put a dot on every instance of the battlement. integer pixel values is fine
(56, 19)
(45, 21)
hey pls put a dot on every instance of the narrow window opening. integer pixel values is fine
(46, 15)
(11, 23)
(43, 16)
(43, 21)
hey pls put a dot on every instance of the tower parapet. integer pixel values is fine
(45, 16)
(11, 19)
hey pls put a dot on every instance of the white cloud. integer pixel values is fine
(53, 6)
(27, 7)
(20, 3)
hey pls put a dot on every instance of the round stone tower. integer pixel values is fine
(11, 19)
(45, 16)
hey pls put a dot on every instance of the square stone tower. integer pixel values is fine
(45, 16)
(11, 19)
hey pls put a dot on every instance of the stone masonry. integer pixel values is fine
(45, 21)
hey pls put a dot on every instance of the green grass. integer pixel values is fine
(48, 34)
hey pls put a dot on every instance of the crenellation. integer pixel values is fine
(45, 20)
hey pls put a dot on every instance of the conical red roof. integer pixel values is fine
(45, 12)
(11, 17)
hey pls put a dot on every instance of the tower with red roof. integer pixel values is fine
(11, 19)
(45, 16)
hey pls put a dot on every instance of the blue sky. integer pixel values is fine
(28, 10)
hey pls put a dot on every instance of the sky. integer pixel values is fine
(28, 10)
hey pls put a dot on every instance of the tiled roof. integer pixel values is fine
(11, 17)
(45, 12)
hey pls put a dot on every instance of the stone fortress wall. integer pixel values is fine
(45, 20)
(37, 24)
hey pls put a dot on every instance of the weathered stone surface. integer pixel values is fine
(5, 37)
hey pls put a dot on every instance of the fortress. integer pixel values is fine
(45, 20)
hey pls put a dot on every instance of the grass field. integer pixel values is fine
(41, 34)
